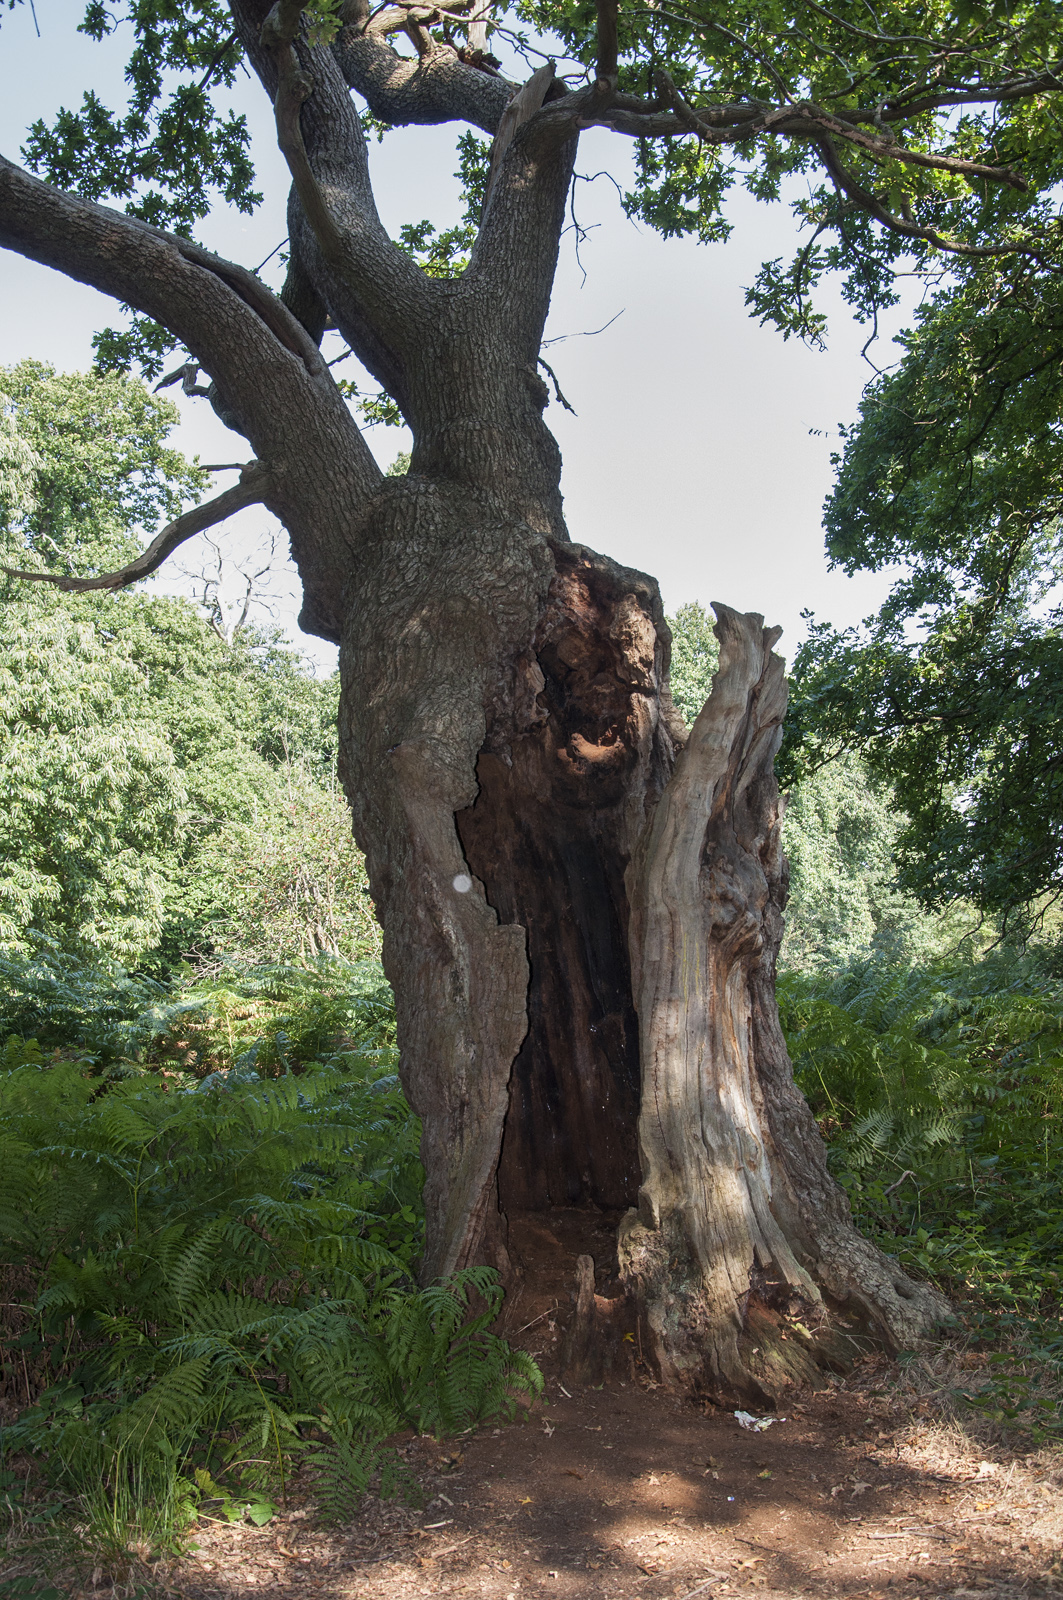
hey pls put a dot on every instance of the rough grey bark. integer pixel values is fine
(549, 889)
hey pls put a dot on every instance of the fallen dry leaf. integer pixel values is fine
(861, 1488)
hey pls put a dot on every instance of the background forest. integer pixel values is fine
(209, 1185)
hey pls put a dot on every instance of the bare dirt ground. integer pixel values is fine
(627, 1492)
(877, 1487)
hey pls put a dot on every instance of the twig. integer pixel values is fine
(434, 1555)
(588, 333)
(701, 1586)
(392, 1555)
(272, 253)
(560, 397)
(534, 1320)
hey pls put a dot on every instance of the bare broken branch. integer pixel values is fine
(251, 489)
(478, 19)
(523, 106)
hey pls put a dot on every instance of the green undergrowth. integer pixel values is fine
(210, 1208)
(938, 1088)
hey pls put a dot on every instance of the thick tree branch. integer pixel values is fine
(436, 88)
(608, 44)
(293, 87)
(222, 312)
(300, 293)
(850, 186)
(376, 294)
(252, 489)
(515, 255)
(804, 119)
(269, 377)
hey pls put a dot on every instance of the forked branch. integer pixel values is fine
(846, 183)
(252, 488)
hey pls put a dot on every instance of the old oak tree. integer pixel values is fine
(582, 897)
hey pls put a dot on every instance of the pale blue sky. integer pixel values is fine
(701, 447)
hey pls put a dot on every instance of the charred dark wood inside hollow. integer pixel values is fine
(559, 811)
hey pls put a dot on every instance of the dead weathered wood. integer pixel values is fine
(739, 1228)
(524, 104)
(577, 1352)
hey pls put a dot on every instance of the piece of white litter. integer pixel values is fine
(746, 1419)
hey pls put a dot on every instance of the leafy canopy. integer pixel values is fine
(166, 790)
(911, 105)
(955, 689)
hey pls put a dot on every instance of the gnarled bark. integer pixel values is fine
(742, 1246)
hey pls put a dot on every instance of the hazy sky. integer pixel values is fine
(700, 449)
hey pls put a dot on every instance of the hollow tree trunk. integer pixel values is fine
(502, 746)
(580, 928)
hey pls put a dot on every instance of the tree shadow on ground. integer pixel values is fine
(627, 1492)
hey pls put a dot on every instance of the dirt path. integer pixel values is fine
(624, 1492)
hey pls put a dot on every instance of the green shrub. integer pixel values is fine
(101, 1011)
(939, 1091)
(217, 1271)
